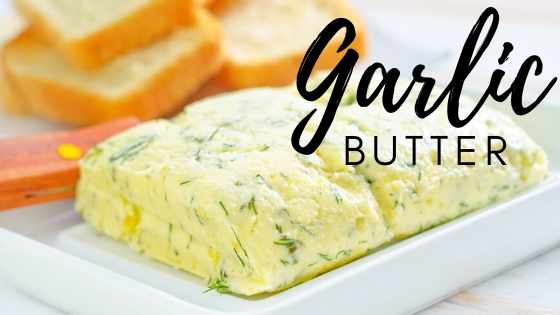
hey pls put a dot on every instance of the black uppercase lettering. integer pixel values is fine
(438, 139)
(375, 152)
(340, 76)
(414, 138)
(496, 151)
(461, 150)
(354, 149)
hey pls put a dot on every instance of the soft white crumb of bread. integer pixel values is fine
(35, 58)
(147, 83)
(78, 18)
(255, 30)
(90, 34)
(10, 99)
(265, 41)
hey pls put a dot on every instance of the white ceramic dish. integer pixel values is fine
(48, 252)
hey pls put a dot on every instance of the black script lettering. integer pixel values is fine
(339, 75)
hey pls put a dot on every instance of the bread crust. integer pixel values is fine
(11, 99)
(282, 71)
(163, 93)
(138, 29)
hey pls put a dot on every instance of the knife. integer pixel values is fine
(44, 167)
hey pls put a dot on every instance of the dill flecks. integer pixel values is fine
(325, 257)
(302, 227)
(239, 257)
(344, 252)
(251, 205)
(337, 196)
(341, 253)
(291, 261)
(169, 232)
(214, 133)
(264, 148)
(93, 153)
(242, 248)
(131, 150)
(198, 217)
(290, 243)
(223, 207)
(185, 182)
(219, 284)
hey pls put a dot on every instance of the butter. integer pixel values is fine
(219, 192)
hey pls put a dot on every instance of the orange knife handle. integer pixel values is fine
(32, 170)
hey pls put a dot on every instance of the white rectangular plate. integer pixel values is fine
(48, 252)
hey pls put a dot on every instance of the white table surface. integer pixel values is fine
(425, 28)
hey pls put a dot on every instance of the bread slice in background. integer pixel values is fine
(10, 99)
(147, 83)
(265, 41)
(90, 33)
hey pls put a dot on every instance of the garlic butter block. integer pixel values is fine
(414, 197)
(219, 192)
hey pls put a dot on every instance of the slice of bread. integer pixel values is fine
(10, 99)
(147, 83)
(90, 33)
(265, 41)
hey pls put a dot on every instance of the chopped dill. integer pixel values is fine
(214, 133)
(131, 150)
(302, 227)
(344, 252)
(240, 244)
(291, 261)
(169, 232)
(290, 243)
(325, 257)
(264, 148)
(93, 153)
(337, 196)
(251, 205)
(239, 257)
(198, 217)
(185, 182)
(223, 207)
(219, 284)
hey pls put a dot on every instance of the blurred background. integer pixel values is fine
(404, 33)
